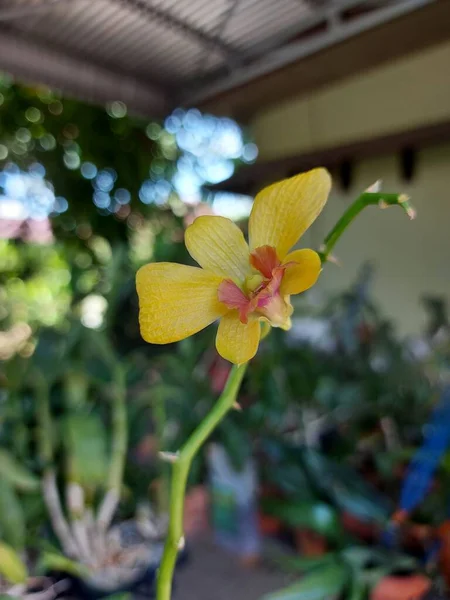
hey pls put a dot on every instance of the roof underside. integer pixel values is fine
(156, 54)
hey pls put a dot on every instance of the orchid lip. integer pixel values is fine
(262, 290)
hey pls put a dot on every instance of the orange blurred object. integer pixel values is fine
(401, 587)
(310, 543)
(444, 555)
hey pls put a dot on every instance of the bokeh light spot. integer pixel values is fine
(117, 109)
(33, 114)
(88, 170)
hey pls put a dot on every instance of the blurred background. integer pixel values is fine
(121, 121)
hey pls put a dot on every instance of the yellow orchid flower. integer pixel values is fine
(241, 284)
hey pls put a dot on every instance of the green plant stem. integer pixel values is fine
(119, 431)
(366, 199)
(44, 419)
(180, 474)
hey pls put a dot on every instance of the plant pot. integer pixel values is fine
(310, 543)
(401, 587)
(196, 511)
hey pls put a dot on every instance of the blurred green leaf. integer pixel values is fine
(358, 589)
(52, 561)
(12, 520)
(11, 566)
(301, 564)
(84, 438)
(322, 584)
(16, 474)
(236, 443)
(345, 488)
(50, 353)
(316, 516)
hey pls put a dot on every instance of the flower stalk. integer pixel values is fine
(366, 199)
(180, 472)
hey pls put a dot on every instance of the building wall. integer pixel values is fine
(410, 92)
(412, 257)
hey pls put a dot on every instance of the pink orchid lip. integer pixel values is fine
(267, 293)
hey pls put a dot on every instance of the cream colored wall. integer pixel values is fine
(411, 257)
(409, 92)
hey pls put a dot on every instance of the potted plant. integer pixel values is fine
(352, 572)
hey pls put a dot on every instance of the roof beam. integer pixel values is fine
(299, 50)
(20, 12)
(33, 62)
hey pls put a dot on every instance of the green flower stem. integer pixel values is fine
(366, 199)
(181, 466)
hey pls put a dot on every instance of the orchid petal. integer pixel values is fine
(283, 211)
(176, 301)
(219, 246)
(301, 272)
(236, 341)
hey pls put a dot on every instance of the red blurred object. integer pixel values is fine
(444, 555)
(361, 529)
(218, 373)
(365, 333)
(269, 525)
(401, 587)
(310, 543)
(196, 511)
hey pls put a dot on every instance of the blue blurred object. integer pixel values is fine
(426, 460)
(390, 536)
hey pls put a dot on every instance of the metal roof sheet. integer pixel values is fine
(154, 54)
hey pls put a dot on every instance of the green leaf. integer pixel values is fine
(16, 474)
(345, 488)
(52, 561)
(321, 584)
(11, 566)
(12, 521)
(49, 354)
(236, 444)
(358, 589)
(361, 556)
(316, 516)
(85, 442)
(301, 564)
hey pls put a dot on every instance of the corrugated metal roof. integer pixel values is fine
(154, 54)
